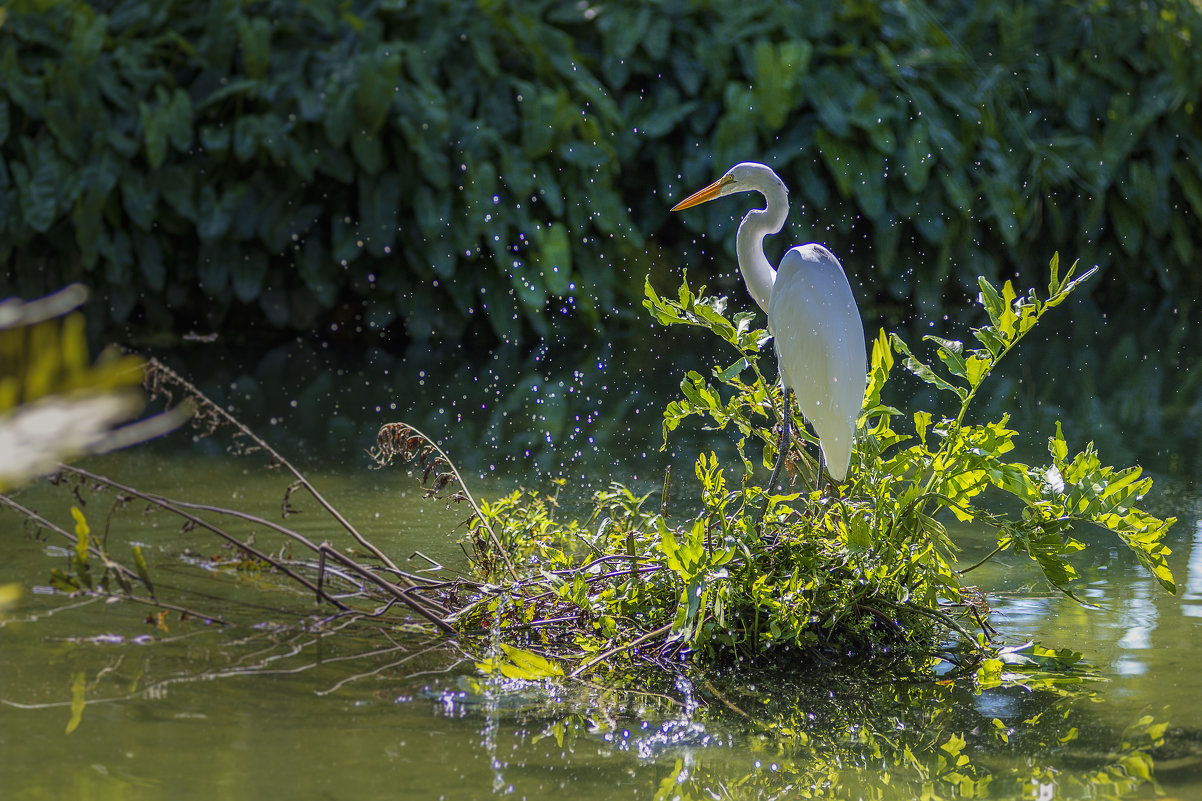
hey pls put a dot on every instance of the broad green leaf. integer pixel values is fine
(254, 35)
(39, 189)
(82, 532)
(1057, 446)
(178, 120)
(248, 274)
(975, 369)
(990, 300)
(380, 197)
(733, 371)
(951, 353)
(534, 665)
(140, 197)
(246, 138)
(154, 134)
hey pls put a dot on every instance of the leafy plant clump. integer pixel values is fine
(854, 570)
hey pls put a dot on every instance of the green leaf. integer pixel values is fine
(339, 118)
(140, 197)
(79, 688)
(314, 265)
(553, 258)
(379, 203)
(216, 212)
(249, 273)
(951, 353)
(154, 133)
(177, 185)
(1058, 447)
(990, 300)
(375, 86)
(923, 371)
(367, 151)
(213, 267)
(82, 542)
(916, 157)
(522, 665)
(39, 191)
(247, 133)
(143, 570)
(215, 140)
(255, 38)
(733, 371)
(178, 120)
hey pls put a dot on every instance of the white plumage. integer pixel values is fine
(812, 315)
(820, 348)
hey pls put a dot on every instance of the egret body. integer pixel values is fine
(812, 315)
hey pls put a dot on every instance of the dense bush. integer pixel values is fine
(439, 164)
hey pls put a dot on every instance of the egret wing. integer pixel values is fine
(820, 345)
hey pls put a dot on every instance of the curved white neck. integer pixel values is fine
(749, 244)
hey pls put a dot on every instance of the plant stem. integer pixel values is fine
(1001, 547)
(618, 649)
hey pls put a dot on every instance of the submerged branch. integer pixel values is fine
(159, 378)
(202, 523)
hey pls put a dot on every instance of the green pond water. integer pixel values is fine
(276, 707)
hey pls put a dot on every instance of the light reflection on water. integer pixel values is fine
(1143, 640)
(1191, 595)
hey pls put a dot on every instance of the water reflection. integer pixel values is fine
(1137, 633)
(1122, 380)
(1191, 592)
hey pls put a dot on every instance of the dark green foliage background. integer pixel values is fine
(457, 168)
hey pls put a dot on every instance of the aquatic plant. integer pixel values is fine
(856, 570)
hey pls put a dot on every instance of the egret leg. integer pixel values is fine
(781, 452)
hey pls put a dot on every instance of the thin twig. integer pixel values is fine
(984, 559)
(42, 522)
(167, 503)
(934, 615)
(383, 456)
(183, 610)
(198, 521)
(400, 593)
(618, 649)
(156, 368)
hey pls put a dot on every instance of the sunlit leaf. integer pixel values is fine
(79, 688)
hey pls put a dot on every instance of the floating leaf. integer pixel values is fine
(79, 688)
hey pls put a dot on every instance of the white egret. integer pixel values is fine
(812, 316)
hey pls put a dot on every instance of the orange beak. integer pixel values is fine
(704, 196)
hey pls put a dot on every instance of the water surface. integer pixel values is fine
(275, 706)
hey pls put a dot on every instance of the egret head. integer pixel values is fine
(745, 177)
